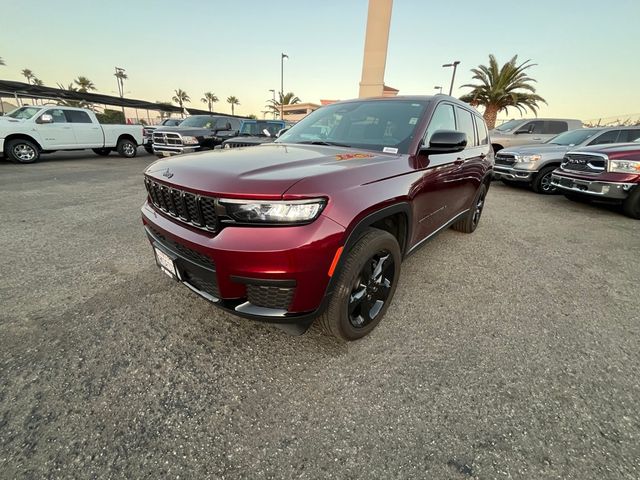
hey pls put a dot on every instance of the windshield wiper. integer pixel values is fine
(322, 142)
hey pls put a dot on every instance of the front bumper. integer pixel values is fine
(595, 188)
(1, 146)
(509, 173)
(178, 150)
(272, 274)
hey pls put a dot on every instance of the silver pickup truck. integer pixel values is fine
(533, 164)
(529, 130)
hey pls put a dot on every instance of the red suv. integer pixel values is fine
(316, 224)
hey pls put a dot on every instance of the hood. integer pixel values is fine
(539, 149)
(269, 170)
(613, 150)
(9, 120)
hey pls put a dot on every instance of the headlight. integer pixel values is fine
(187, 140)
(527, 158)
(624, 166)
(275, 212)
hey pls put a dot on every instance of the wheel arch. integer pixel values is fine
(21, 136)
(496, 147)
(126, 136)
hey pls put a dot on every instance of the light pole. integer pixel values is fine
(282, 57)
(453, 75)
(273, 91)
(438, 88)
(120, 73)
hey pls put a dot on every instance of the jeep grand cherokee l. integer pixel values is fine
(316, 224)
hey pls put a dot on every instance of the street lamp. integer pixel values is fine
(282, 57)
(274, 102)
(438, 88)
(453, 75)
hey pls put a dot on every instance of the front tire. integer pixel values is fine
(365, 286)
(148, 149)
(542, 182)
(469, 222)
(22, 151)
(126, 148)
(103, 152)
(631, 205)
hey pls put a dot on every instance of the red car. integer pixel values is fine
(317, 224)
(609, 173)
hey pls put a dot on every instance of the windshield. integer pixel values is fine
(573, 137)
(200, 122)
(23, 113)
(508, 126)
(256, 128)
(384, 125)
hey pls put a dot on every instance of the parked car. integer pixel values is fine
(195, 134)
(534, 164)
(149, 129)
(529, 130)
(608, 173)
(316, 225)
(256, 132)
(28, 132)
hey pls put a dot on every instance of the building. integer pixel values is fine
(297, 111)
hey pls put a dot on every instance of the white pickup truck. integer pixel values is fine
(28, 132)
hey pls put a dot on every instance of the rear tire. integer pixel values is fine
(542, 182)
(365, 287)
(469, 222)
(103, 152)
(126, 148)
(22, 151)
(631, 205)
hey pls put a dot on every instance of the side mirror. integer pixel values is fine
(445, 141)
(281, 131)
(45, 118)
(266, 132)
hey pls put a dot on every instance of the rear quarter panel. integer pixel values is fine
(113, 132)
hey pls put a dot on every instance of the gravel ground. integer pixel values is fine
(509, 353)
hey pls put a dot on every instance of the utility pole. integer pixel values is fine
(119, 72)
(453, 75)
(282, 57)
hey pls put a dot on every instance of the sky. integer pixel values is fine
(585, 50)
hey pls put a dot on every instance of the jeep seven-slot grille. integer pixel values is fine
(188, 207)
(579, 162)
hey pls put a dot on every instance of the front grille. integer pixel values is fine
(505, 159)
(183, 250)
(167, 139)
(190, 208)
(238, 144)
(579, 162)
(270, 296)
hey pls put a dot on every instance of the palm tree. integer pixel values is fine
(233, 101)
(84, 84)
(209, 98)
(288, 99)
(38, 82)
(28, 74)
(181, 98)
(121, 76)
(2, 61)
(501, 88)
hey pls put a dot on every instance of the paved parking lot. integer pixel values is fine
(510, 353)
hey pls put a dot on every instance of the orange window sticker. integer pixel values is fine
(349, 156)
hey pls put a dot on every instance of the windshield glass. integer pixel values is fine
(387, 125)
(200, 122)
(573, 137)
(508, 126)
(256, 128)
(24, 113)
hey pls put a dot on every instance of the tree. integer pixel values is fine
(501, 88)
(288, 99)
(209, 98)
(2, 61)
(164, 113)
(121, 76)
(28, 74)
(38, 82)
(181, 98)
(84, 84)
(233, 101)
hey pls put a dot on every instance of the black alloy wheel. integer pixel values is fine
(371, 290)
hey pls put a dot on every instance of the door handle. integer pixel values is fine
(537, 138)
(67, 128)
(458, 161)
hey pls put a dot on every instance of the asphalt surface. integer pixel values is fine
(510, 353)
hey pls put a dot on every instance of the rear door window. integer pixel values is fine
(57, 114)
(535, 126)
(629, 135)
(481, 128)
(553, 127)
(76, 116)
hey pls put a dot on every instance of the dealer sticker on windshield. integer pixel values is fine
(390, 150)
